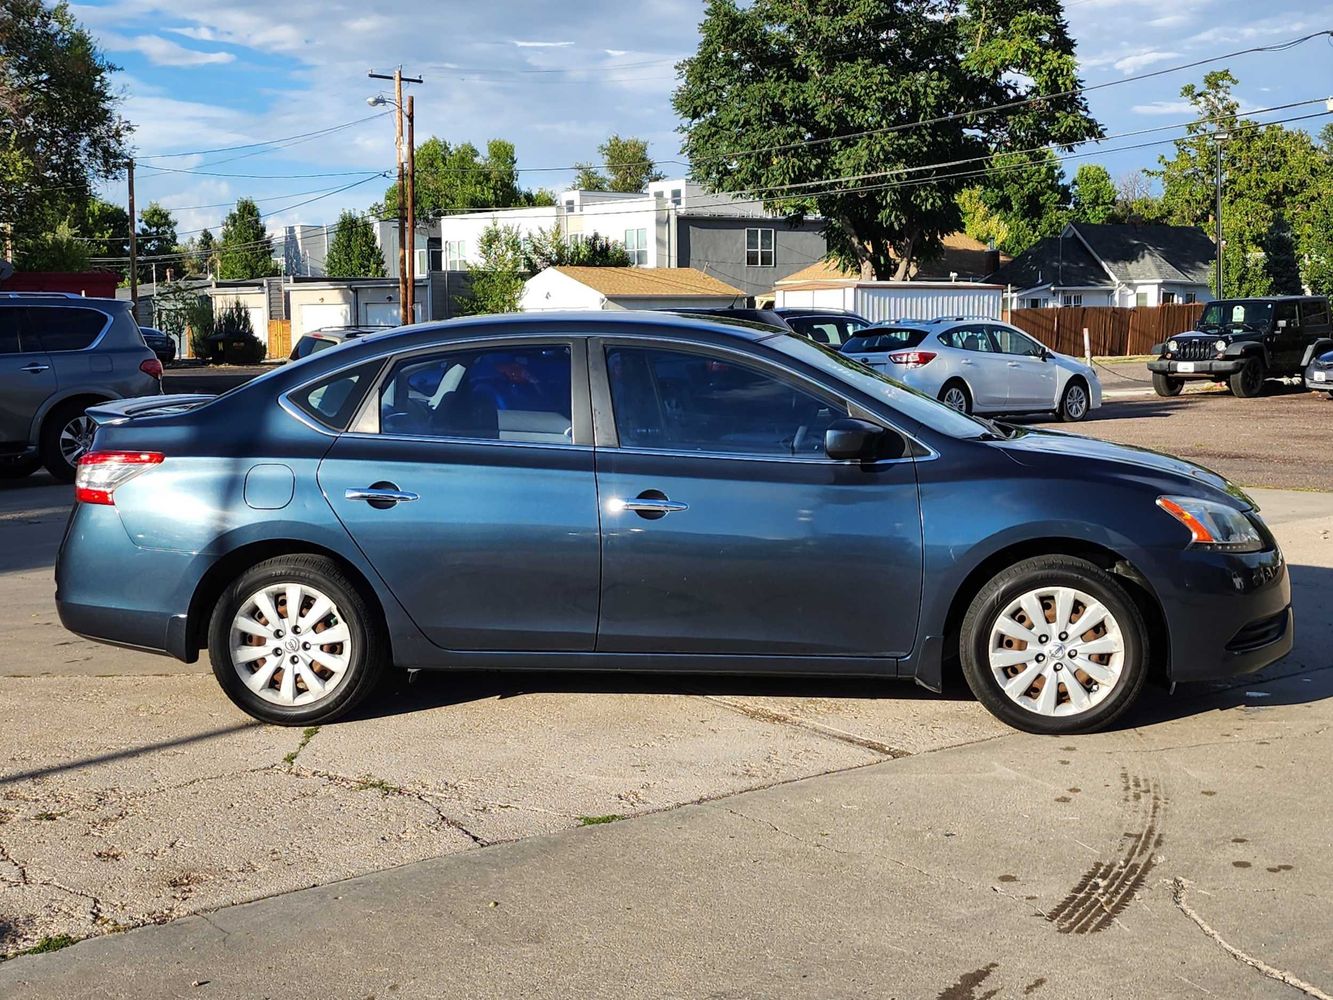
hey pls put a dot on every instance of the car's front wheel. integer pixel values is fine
(1054, 645)
(1165, 385)
(1075, 403)
(1249, 381)
(293, 642)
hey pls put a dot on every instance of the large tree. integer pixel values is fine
(246, 249)
(1275, 181)
(353, 252)
(850, 109)
(626, 164)
(59, 126)
(497, 281)
(460, 179)
(1093, 196)
(1023, 200)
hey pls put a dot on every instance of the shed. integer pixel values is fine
(884, 301)
(626, 288)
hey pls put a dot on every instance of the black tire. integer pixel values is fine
(956, 384)
(1165, 385)
(19, 467)
(1249, 381)
(49, 448)
(1073, 406)
(368, 657)
(1023, 578)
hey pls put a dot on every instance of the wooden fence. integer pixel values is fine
(1113, 331)
(279, 338)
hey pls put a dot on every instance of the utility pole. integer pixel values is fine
(1220, 137)
(412, 211)
(403, 282)
(134, 249)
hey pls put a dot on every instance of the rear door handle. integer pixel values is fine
(379, 494)
(653, 505)
(34, 368)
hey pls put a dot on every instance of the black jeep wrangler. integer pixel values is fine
(1243, 342)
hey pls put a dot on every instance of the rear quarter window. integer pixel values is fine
(331, 401)
(61, 328)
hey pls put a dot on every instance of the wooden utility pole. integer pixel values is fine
(411, 212)
(134, 249)
(403, 281)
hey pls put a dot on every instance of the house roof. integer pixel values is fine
(961, 253)
(1083, 254)
(629, 282)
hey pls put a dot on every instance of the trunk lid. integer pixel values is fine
(118, 411)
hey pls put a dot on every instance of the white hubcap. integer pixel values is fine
(957, 399)
(1056, 651)
(290, 644)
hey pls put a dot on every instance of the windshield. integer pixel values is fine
(1236, 313)
(881, 339)
(831, 330)
(912, 404)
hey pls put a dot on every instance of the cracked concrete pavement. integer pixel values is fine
(869, 837)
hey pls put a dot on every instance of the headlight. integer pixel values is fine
(1213, 525)
(1220, 346)
(1172, 346)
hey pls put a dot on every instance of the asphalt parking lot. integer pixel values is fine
(779, 837)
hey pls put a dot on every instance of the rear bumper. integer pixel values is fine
(1197, 369)
(148, 631)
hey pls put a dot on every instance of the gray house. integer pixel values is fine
(1111, 265)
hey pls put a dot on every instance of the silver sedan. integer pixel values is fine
(979, 366)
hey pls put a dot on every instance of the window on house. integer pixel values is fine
(423, 261)
(569, 206)
(1191, 298)
(1037, 303)
(1072, 299)
(676, 197)
(1168, 298)
(1140, 298)
(636, 244)
(759, 248)
(455, 251)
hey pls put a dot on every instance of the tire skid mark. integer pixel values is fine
(1108, 887)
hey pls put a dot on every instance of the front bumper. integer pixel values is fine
(1215, 369)
(1312, 383)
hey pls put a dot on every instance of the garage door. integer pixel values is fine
(387, 313)
(318, 315)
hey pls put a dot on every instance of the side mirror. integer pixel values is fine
(853, 439)
(1044, 354)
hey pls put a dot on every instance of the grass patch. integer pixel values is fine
(306, 737)
(599, 820)
(49, 944)
(368, 782)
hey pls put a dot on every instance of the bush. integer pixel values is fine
(233, 339)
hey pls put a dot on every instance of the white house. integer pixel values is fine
(1111, 265)
(597, 288)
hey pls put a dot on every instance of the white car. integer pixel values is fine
(979, 366)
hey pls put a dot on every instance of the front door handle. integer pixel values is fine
(1013, 364)
(34, 368)
(380, 495)
(650, 504)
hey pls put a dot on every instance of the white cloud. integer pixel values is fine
(542, 45)
(1164, 108)
(615, 52)
(1142, 60)
(164, 52)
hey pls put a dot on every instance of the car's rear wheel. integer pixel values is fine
(1249, 381)
(67, 435)
(1075, 403)
(955, 395)
(293, 642)
(1054, 645)
(1165, 385)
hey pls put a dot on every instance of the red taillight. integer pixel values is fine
(912, 359)
(101, 472)
(152, 367)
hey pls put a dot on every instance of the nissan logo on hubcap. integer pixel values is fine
(293, 645)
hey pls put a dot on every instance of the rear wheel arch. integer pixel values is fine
(57, 402)
(229, 567)
(1128, 575)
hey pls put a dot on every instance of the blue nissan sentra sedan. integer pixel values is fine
(620, 491)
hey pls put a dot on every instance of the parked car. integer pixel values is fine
(1244, 342)
(58, 354)
(980, 366)
(161, 344)
(628, 491)
(1319, 374)
(825, 326)
(329, 336)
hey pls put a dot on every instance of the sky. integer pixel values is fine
(555, 79)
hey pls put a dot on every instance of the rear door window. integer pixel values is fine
(519, 393)
(61, 328)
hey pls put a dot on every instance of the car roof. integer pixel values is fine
(62, 298)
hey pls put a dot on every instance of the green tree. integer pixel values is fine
(1027, 194)
(59, 125)
(815, 106)
(549, 248)
(1093, 197)
(460, 179)
(157, 237)
(497, 281)
(246, 249)
(205, 252)
(1135, 201)
(58, 250)
(353, 252)
(628, 167)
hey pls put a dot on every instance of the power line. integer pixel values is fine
(270, 142)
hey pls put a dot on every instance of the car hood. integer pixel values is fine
(1037, 448)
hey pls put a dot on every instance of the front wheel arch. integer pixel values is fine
(230, 566)
(1138, 586)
